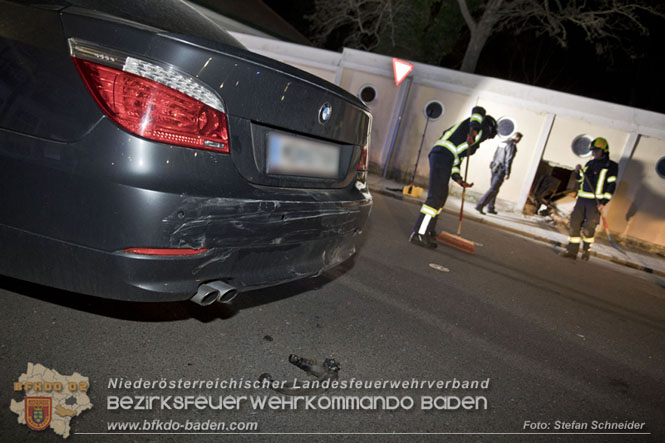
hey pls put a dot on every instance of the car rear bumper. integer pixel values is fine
(70, 212)
(255, 255)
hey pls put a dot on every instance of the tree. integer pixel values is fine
(596, 48)
(421, 30)
(428, 25)
(603, 22)
(359, 24)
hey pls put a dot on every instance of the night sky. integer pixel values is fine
(577, 69)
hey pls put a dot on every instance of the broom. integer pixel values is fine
(456, 241)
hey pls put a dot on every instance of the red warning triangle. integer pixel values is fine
(401, 70)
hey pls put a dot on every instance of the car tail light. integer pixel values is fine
(362, 163)
(152, 101)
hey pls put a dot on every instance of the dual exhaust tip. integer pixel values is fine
(215, 291)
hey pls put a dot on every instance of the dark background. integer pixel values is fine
(634, 81)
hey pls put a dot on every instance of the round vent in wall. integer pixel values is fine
(660, 167)
(505, 127)
(367, 94)
(580, 145)
(433, 110)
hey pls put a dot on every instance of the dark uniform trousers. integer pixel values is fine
(489, 198)
(583, 222)
(440, 167)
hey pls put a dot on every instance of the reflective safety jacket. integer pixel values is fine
(453, 139)
(600, 181)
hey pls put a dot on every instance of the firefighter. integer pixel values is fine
(597, 181)
(457, 142)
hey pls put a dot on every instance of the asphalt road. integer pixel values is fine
(512, 344)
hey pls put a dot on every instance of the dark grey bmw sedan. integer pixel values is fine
(147, 155)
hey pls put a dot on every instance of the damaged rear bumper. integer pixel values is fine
(247, 244)
(85, 206)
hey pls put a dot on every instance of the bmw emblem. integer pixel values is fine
(325, 112)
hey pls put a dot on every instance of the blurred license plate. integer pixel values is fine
(300, 156)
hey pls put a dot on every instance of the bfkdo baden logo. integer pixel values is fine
(51, 399)
(38, 412)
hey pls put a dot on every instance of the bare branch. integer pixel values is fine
(599, 20)
(363, 22)
(370, 24)
(464, 9)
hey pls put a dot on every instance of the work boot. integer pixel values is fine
(480, 209)
(422, 240)
(568, 254)
(585, 255)
(431, 239)
(492, 211)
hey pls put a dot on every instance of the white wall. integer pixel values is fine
(549, 120)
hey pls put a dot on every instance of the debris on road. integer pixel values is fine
(328, 370)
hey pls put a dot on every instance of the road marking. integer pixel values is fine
(439, 267)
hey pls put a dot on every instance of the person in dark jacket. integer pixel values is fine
(597, 181)
(456, 142)
(500, 167)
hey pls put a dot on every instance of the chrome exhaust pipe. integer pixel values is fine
(209, 293)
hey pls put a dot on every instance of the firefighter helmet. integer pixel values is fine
(489, 124)
(600, 143)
